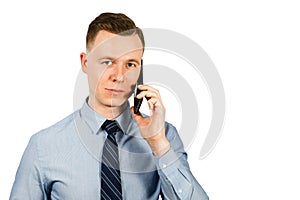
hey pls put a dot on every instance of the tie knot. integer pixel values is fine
(110, 126)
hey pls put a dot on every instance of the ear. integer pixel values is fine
(83, 60)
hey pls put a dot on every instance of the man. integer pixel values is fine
(105, 150)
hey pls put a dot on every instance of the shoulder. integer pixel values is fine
(59, 131)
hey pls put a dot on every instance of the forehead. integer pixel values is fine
(113, 45)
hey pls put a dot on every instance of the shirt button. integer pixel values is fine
(164, 165)
(180, 191)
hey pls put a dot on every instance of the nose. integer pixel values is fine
(118, 72)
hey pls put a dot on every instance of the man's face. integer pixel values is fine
(112, 67)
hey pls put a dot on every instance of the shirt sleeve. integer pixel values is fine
(28, 180)
(177, 181)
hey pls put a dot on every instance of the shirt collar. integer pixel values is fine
(125, 120)
(95, 120)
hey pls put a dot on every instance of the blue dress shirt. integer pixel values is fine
(62, 162)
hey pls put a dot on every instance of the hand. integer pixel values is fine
(153, 128)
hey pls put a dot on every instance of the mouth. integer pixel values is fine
(114, 91)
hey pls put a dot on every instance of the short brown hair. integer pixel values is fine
(116, 23)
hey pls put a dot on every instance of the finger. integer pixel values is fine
(148, 88)
(152, 103)
(147, 94)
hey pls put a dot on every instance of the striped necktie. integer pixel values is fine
(110, 170)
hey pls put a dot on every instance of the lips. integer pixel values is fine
(114, 91)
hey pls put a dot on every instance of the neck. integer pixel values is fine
(107, 111)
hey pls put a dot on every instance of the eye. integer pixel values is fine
(106, 62)
(131, 65)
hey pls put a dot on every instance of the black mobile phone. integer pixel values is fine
(138, 102)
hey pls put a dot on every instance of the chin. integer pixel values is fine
(116, 102)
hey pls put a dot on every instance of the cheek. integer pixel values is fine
(132, 76)
(95, 75)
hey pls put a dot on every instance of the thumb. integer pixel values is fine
(137, 116)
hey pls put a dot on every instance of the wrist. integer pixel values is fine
(162, 151)
(159, 145)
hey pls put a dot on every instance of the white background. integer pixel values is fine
(255, 46)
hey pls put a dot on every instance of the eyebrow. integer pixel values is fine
(134, 60)
(106, 57)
